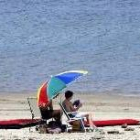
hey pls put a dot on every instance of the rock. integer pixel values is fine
(113, 132)
(129, 129)
(124, 125)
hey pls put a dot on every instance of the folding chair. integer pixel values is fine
(72, 119)
(35, 111)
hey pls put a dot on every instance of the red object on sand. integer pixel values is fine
(18, 123)
(101, 123)
(22, 123)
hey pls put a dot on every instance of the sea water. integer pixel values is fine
(39, 38)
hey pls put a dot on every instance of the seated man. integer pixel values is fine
(74, 107)
(48, 112)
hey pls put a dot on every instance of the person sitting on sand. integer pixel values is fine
(74, 107)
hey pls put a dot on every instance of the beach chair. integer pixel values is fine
(35, 111)
(72, 119)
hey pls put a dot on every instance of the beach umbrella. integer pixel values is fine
(56, 84)
(42, 97)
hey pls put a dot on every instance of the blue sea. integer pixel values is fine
(40, 38)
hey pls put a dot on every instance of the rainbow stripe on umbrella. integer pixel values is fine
(56, 84)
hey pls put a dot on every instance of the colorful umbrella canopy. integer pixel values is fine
(57, 83)
(42, 96)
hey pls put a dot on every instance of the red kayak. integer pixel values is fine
(101, 123)
(22, 123)
(18, 123)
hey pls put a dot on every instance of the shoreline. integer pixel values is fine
(31, 93)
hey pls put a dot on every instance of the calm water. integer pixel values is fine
(42, 38)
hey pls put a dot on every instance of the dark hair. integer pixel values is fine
(68, 94)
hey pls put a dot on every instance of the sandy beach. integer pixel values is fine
(102, 106)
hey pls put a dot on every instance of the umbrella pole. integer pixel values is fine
(60, 99)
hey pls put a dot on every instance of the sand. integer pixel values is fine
(102, 106)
